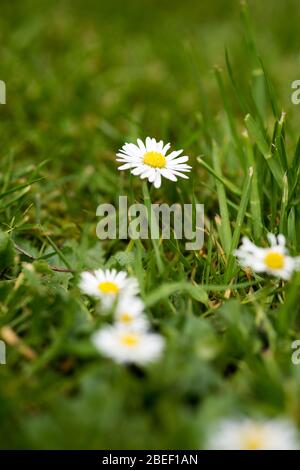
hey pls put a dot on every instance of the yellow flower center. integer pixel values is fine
(154, 159)
(126, 317)
(108, 287)
(253, 440)
(274, 260)
(129, 339)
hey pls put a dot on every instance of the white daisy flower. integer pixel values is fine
(127, 345)
(150, 161)
(245, 434)
(130, 313)
(274, 260)
(108, 285)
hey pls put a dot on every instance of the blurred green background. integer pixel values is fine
(82, 77)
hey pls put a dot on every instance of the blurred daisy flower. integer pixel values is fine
(150, 161)
(127, 345)
(108, 285)
(130, 313)
(246, 434)
(274, 260)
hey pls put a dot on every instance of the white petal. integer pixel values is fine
(173, 155)
(249, 245)
(272, 239)
(178, 160)
(141, 145)
(151, 176)
(128, 158)
(159, 146)
(147, 173)
(281, 239)
(168, 174)
(139, 170)
(180, 166)
(100, 275)
(157, 181)
(148, 144)
(166, 148)
(178, 173)
(125, 167)
(131, 150)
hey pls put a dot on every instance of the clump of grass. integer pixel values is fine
(71, 104)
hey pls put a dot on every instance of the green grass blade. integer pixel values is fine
(255, 203)
(225, 220)
(152, 219)
(238, 225)
(264, 148)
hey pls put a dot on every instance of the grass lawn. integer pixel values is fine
(82, 78)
